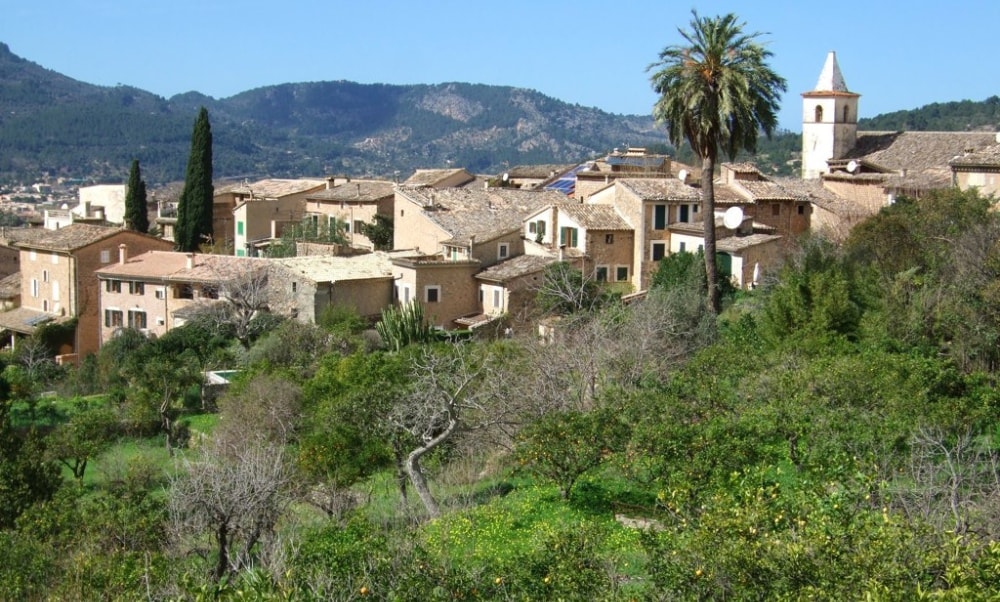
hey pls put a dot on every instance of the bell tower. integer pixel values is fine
(829, 120)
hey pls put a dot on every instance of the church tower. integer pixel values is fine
(829, 120)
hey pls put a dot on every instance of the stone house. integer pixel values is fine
(445, 287)
(508, 289)
(150, 291)
(353, 203)
(287, 204)
(978, 169)
(59, 281)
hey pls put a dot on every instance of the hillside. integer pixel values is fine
(55, 125)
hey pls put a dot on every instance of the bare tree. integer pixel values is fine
(241, 298)
(461, 389)
(266, 408)
(235, 494)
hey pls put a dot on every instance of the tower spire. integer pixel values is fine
(830, 78)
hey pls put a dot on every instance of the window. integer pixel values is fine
(775, 209)
(621, 273)
(659, 250)
(503, 250)
(359, 226)
(481, 294)
(682, 247)
(847, 113)
(160, 322)
(496, 297)
(112, 318)
(406, 294)
(682, 214)
(34, 287)
(609, 239)
(601, 273)
(209, 291)
(818, 116)
(240, 253)
(541, 228)
(112, 286)
(45, 305)
(136, 288)
(136, 319)
(161, 293)
(568, 236)
(45, 275)
(532, 227)
(801, 209)
(659, 217)
(106, 256)
(295, 287)
(402, 212)
(184, 291)
(239, 228)
(432, 294)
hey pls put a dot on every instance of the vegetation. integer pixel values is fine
(717, 92)
(194, 209)
(136, 212)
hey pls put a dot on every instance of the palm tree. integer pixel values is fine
(716, 92)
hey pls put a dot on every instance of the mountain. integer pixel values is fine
(54, 125)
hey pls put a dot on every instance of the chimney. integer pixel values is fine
(190, 261)
(122, 253)
(329, 182)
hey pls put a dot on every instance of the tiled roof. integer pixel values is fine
(69, 238)
(917, 151)
(25, 320)
(431, 177)
(762, 190)
(540, 172)
(10, 286)
(11, 236)
(516, 267)
(735, 244)
(986, 157)
(484, 214)
(357, 191)
(327, 268)
(661, 189)
(273, 188)
(172, 265)
(814, 192)
(594, 217)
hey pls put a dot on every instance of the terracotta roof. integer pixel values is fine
(522, 265)
(172, 265)
(484, 214)
(357, 191)
(327, 268)
(661, 189)
(763, 190)
(273, 188)
(917, 151)
(986, 157)
(69, 238)
(594, 217)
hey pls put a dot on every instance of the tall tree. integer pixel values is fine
(194, 211)
(717, 92)
(136, 215)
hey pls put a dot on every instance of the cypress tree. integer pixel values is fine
(136, 216)
(194, 211)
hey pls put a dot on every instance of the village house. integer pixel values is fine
(978, 169)
(252, 215)
(151, 291)
(353, 203)
(58, 281)
(440, 178)
(508, 289)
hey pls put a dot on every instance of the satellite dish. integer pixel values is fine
(732, 218)
(852, 166)
(682, 175)
(506, 176)
(64, 206)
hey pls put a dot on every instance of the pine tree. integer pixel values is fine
(136, 216)
(194, 211)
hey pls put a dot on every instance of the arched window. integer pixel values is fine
(819, 113)
(846, 113)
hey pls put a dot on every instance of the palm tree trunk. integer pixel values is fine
(708, 214)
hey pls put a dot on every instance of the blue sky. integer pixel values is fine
(897, 55)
